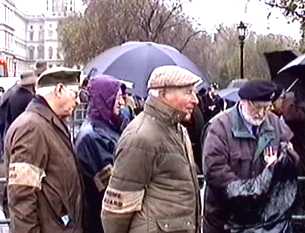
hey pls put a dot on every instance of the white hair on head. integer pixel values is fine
(154, 92)
(44, 91)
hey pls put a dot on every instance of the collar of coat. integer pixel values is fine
(240, 129)
(161, 111)
(266, 135)
(40, 106)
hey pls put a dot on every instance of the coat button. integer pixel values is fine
(166, 225)
(188, 223)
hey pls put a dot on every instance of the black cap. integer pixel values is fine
(259, 90)
(56, 75)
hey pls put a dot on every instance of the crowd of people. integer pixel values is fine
(133, 167)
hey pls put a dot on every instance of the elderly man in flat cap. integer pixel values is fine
(153, 187)
(249, 166)
(44, 185)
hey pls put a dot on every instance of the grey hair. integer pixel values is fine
(44, 91)
(154, 92)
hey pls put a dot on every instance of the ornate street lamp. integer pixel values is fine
(242, 30)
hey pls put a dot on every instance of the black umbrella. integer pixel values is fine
(286, 79)
(292, 77)
(295, 67)
(278, 59)
(134, 62)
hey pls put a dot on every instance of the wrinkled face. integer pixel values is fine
(256, 111)
(183, 99)
(67, 100)
(119, 102)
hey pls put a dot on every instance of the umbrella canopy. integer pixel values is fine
(292, 77)
(134, 62)
(278, 59)
(237, 83)
(230, 93)
(295, 67)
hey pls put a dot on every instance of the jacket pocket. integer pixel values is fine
(177, 225)
(54, 209)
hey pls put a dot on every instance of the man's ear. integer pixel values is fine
(59, 88)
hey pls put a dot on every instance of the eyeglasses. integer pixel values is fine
(261, 107)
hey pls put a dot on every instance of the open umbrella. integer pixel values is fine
(295, 67)
(278, 59)
(292, 77)
(134, 62)
(237, 83)
(230, 93)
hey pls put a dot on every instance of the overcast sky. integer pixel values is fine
(253, 12)
(210, 14)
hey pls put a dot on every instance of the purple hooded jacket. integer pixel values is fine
(102, 94)
(95, 145)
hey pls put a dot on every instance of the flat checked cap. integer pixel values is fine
(259, 90)
(64, 75)
(171, 76)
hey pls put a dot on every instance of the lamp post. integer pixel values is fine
(242, 29)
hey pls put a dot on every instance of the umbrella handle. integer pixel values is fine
(292, 85)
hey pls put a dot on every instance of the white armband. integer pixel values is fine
(25, 174)
(121, 202)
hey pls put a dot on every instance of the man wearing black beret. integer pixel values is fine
(249, 166)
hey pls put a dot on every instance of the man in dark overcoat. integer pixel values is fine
(249, 166)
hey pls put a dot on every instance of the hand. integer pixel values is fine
(270, 155)
(286, 146)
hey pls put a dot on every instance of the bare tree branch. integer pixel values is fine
(187, 40)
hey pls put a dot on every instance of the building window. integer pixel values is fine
(50, 25)
(50, 33)
(40, 51)
(50, 52)
(31, 35)
(31, 53)
(5, 13)
(41, 35)
(58, 54)
(31, 27)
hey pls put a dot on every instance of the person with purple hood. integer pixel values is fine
(96, 142)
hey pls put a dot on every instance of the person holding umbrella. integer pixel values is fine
(249, 166)
(153, 186)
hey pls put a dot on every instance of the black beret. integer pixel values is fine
(56, 75)
(259, 90)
